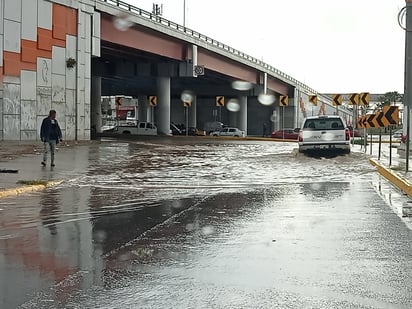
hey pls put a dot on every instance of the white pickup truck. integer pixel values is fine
(142, 128)
(320, 133)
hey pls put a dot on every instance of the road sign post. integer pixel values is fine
(380, 143)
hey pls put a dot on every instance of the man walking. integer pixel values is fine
(50, 134)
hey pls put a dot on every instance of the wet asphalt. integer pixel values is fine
(197, 223)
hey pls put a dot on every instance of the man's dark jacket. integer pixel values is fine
(50, 131)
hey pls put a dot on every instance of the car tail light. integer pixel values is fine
(347, 133)
(300, 137)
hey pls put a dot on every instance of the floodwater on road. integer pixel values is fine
(192, 223)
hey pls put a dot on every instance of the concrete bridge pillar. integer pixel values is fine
(193, 113)
(142, 109)
(96, 107)
(163, 105)
(242, 114)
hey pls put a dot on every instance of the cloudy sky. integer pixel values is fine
(332, 46)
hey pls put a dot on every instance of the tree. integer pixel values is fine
(388, 98)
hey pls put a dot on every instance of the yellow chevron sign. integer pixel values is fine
(313, 99)
(283, 100)
(337, 99)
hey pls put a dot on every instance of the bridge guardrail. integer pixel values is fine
(187, 31)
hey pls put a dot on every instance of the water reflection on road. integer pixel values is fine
(143, 205)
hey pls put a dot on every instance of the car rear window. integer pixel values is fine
(324, 124)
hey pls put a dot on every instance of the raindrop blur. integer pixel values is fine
(122, 22)
(233, 105)
(99, 236)
(187, 96)
(190, 227)
(208, 230)
(241, 85)
(328, 136)
(266, 99)
(315, 186)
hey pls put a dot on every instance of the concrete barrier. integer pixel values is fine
(27, 189)
(402, 183)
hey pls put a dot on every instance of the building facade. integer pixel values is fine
(45, 56)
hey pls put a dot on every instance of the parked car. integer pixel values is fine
(324, 133)
(194, 132)
(397, 134)
(175, 130)
(286, 134)
(212, 126)
(229, 132)
(354, 132)
(142, 128)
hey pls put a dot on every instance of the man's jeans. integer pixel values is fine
(52, 145)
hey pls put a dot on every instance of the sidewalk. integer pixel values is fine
(25, 158)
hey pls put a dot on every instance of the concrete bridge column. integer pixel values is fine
(163, 105)
(193, 113)
(242, 114)
(96, 107)
(142, 109)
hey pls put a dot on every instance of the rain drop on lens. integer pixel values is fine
(241, 85)
(208, 230)
(233, 105)
(187, 96)
(122, 23)
(266, 99)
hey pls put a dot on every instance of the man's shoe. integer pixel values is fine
(52, 164)
(43, 163)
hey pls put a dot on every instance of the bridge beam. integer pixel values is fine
(163, 106)
(242, 114)
(96, 108)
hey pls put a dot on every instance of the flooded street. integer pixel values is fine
(198, 223)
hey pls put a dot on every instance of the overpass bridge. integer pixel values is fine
(72, 52)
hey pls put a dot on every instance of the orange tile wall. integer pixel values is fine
(64, 22)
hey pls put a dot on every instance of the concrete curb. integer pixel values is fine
(402, 183)
(27, 189)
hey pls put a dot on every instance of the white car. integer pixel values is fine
(324, 133)
(229, 132)
(397, 134)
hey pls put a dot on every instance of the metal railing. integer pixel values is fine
(194, 34)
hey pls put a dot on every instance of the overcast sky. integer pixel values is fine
(334, 46)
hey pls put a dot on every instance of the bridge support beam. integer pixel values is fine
(96, 107)
(142, 109)
(163, 106)
(242, 114)
(193, 113)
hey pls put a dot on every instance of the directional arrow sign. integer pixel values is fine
(153, 100)
(313, 99)
(283, 100)
(337, 99)
(354, 99)
(391, 115)
(364, 121)
(220, 101)
(118, 100)
(378, 120)
(187, 104)
(360, 124)
(369, 121)
(364, 98)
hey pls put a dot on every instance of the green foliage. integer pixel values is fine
(388, 98)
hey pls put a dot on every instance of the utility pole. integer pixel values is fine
(184, 13)
(408, 76)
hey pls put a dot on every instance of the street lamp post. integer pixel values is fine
(184, 13)
(408, 75)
